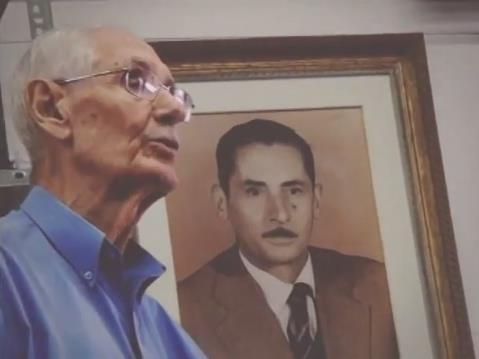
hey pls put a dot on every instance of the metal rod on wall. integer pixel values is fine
(39, 16)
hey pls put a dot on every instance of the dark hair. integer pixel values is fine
(258, 131)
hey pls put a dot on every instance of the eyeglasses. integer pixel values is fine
(141, 82)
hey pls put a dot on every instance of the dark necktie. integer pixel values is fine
(299, 332)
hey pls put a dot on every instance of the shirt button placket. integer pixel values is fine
(137, 333)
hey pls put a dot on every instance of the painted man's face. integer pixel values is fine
(271, 204)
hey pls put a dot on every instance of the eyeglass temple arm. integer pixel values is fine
(83, 77)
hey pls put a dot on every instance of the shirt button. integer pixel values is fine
(88, 275)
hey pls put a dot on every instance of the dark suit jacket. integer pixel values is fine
(225, 311)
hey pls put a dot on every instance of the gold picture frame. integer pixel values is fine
(402, 58)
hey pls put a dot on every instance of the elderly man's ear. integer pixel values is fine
(43, 100)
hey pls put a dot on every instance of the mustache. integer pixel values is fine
(279, 232)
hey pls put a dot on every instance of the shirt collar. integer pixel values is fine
(135, 270)
(276, 291)
(141, 268)
(81, 243)
(77, 240)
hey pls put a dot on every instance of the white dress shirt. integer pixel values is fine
(277, 292)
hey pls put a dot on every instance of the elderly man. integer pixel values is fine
(97, 110)
(272, 295)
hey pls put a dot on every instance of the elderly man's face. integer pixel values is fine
(271, 204)
(114, 133)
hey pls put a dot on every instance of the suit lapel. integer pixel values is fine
(344, 321)
(248, 329)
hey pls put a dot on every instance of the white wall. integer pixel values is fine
(454, 70)
(453, 56)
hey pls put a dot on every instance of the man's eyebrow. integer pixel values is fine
(167, 81)
(143, 63)
(293, 183)
(250, 182)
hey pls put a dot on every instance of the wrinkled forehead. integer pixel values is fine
(117, 48)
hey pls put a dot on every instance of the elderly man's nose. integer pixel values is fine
(168, 110)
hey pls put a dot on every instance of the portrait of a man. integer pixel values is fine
(272, 294)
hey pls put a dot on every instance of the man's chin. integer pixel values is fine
(161, 179)
(164, 182)
(284, 255)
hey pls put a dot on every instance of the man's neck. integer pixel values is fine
(287, 272)
(113, 208)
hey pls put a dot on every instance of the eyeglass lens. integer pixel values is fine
(143, 83)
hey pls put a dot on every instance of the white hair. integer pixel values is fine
(53, 55)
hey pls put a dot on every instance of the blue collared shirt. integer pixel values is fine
(66, 292)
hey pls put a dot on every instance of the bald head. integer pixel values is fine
(116, 47)
(67, 53)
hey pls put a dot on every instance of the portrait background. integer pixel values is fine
(348, 219)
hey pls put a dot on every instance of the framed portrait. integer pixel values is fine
(363, 105)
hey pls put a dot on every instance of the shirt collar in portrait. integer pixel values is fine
(276, 291)
(79, 242)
